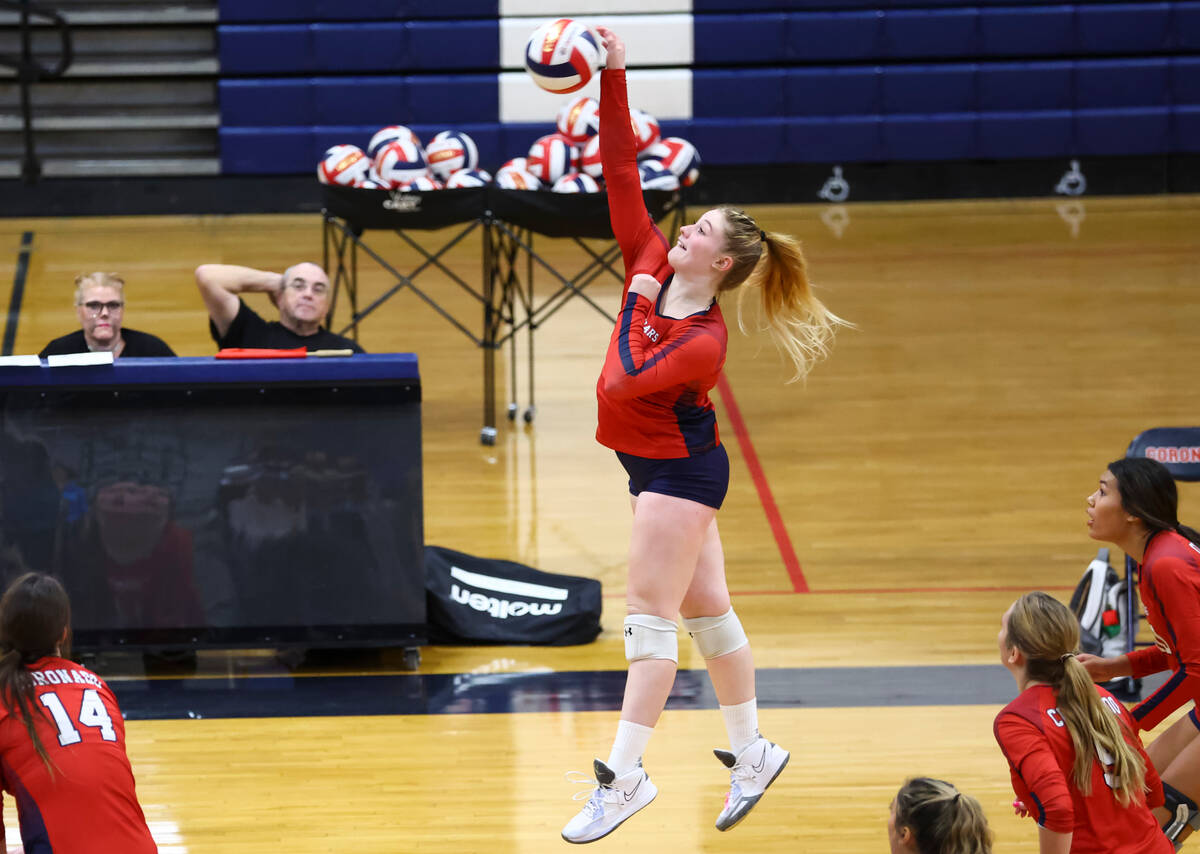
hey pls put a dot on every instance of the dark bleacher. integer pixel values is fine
(774, 81)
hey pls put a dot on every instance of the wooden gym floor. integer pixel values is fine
(936, 467)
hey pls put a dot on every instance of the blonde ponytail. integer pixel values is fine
(1048, 635)
(773, 264)
(942, 819)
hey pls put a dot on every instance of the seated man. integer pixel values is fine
(301, 294)
(100, 305)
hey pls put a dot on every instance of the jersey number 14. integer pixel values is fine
(91, 714)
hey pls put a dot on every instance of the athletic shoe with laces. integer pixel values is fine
(750, 773)
(613, 800)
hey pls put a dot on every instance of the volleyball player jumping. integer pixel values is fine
(664, 356)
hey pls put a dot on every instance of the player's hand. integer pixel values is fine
(647, 286)
(613, 45)
(1100, 669)
(1019, 808)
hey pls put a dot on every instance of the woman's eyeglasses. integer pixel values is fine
(95, 306)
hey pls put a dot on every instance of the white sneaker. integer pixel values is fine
(612, 801)
(750, 773)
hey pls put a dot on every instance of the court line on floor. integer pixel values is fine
(1008, 588)
(774, 519)
(18, 293)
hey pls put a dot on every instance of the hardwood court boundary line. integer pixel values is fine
(766, 498)
(848, 591)
(18, 294)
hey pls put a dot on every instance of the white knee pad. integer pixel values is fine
(647, 636)
(716, 636)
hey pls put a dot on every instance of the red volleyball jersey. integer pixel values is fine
(89, 803)
(1169, 586)
(653, 392)
(1033, 737)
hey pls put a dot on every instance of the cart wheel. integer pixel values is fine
(412, 658)
(512, 411)
(529, 413)
(488, 435)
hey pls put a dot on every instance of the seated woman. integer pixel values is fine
(100, 306)
(1076, 761)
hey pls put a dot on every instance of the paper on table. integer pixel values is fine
(100, 357)
(20, 362)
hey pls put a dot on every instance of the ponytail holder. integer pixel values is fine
(762, 235)
(957, 797)
(1063, 658)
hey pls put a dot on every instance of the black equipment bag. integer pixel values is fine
(474, 600)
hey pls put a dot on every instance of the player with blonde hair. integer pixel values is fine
(931, 816)
(1076, 761)
(665, 355)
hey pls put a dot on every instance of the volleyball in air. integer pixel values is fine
(563, 55)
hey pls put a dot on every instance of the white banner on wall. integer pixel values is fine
(650, 40)
(664, 94)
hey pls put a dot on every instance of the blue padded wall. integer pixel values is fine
(773, 81)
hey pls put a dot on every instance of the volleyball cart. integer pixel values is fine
(1177, 448)
(509, 222)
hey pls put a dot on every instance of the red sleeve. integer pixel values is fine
(1147, 660)
(1169, 582)
(1154, 788)
(642, 244)
(1032, 762)
(635, 372)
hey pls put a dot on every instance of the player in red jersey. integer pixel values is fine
(1136, 508)
(930, 816)
(664, 357)
(1076, 761)
(62, 737)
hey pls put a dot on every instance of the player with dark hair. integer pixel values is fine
(930, 816)
(1136, 508)
(1076, 761)
(62, 737)
(664, 356)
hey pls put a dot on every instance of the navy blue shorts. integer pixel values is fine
(703, 478)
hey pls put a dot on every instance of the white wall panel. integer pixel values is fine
(590, 7)
(650, 40)
(664, 94)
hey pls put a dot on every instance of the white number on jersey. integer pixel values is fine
(91, 714)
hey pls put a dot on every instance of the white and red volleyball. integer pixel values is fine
(551, 157)
(391, 133)
(468, 178)
(401, 161)
(371, 184)
(521, 163)
(645, 130)
(579, 119)
(563, 55)
(678, 155)
(589, 160)
(576, 182)
(421, 184)
(345, 165)
(450, 151)
(655, 176)
(517, 179)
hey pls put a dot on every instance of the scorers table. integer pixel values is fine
(198, 502)
(509, 219)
